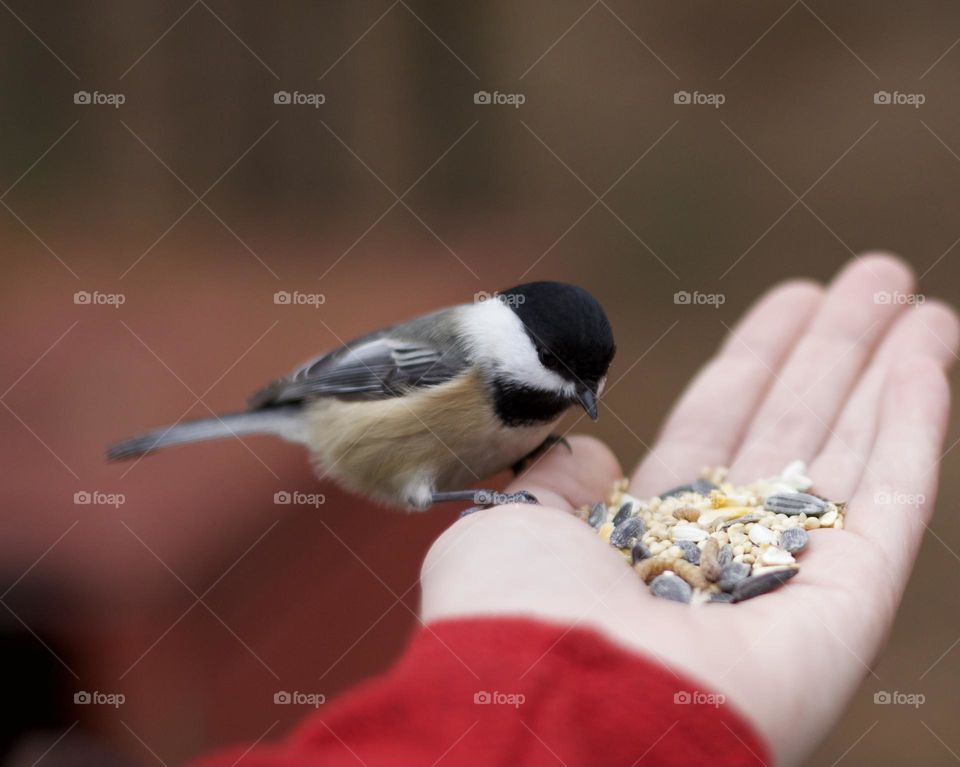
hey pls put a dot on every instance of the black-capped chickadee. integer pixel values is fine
(415, 413)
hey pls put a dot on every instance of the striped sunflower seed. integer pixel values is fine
(732, 574)
(701, 486)
(627, 533)
(793, 539)
(756, 585)
(624, 512)
(598, 515)
(639, 552)
(691, 552)
(670, 586)
(792, 504)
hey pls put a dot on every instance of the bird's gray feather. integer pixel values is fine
(422, 352)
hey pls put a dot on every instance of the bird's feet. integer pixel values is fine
(485, 499)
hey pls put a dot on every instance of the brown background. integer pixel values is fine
(322, 598)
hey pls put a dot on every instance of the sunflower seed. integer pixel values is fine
(690, 551)
(742, 520)
(627, 532)
(721, 596)
(732, 574)
(725, 557)
(639, 552)
(701, 486)
(669, 586)
(598, 515)
(793, 539)
(792, 504)
(756, 585)
(624, 513)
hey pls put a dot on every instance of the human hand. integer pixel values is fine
(854, 387)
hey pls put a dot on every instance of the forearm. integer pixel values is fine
(487, 691)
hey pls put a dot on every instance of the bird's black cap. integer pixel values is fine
(568, 327)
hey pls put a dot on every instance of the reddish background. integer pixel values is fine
(326, 597)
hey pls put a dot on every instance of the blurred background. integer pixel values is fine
(168, 169)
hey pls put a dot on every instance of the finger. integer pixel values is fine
(930, 331)
(894, 501)
(570, 478)
(798, 412)
(711, 416)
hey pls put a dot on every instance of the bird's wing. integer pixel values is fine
(387, 363)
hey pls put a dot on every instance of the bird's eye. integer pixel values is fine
(548, 359)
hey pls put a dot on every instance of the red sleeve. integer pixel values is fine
(495, 691)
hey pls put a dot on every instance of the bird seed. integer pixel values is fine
(711, 541)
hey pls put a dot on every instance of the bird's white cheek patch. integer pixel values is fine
(495, 333)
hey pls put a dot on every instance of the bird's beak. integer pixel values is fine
(588, 400)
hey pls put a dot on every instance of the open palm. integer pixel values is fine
(850, 383)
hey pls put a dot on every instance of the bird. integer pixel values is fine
(419, 412)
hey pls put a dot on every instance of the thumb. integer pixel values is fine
(570, 478)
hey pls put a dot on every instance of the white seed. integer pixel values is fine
(772, 556)
(760, 535)
(829, 518)
(688, 533)
(811, 523)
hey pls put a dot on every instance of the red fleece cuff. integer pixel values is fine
(513, 691)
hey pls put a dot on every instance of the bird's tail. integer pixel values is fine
(280, 421)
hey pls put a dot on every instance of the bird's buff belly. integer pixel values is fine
(400, 450)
